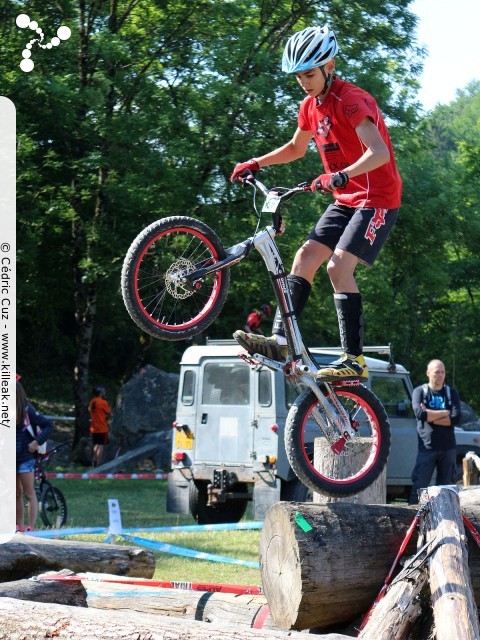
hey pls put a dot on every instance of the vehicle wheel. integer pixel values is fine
(307, 420)
(156, 292)
(232, 511)
(295, 491)
(53, 508)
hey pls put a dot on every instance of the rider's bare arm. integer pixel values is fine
(376, 154)
(296, 148)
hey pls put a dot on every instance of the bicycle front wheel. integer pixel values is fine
(53, 508)
(326, 466)
(157, 293)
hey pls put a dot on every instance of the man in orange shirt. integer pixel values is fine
(99, 425)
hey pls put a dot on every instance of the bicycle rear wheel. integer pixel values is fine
(159, 297)
(307, 420)
(53, 507)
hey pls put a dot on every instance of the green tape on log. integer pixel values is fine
(302, 523)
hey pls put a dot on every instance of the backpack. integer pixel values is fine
(34, 432)
(448, 394)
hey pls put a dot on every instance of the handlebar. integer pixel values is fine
(288, 193)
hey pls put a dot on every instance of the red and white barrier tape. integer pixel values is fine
(162, 584)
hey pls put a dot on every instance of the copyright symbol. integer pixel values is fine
(5, 247)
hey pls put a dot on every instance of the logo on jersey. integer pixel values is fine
(324, 126)
(377, 221)
(350, 109)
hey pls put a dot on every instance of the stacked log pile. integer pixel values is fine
(57, 604)
(331, 572)
(322, 565)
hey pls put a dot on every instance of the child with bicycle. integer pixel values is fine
(32, 431)
(360, 172)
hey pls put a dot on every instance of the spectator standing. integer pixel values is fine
(255, 318)
(100, 413)
(437, 409)
(33, 430)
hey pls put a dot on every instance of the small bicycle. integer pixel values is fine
(175, 281)
(52, 505)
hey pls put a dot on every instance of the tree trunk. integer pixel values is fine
(70, 593)
(27, 556)
(454, 609)
(325, 460)
(332, 573)
(470, 472)
(218, 608)
(38, 621)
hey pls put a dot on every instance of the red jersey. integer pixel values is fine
(99, 410)
(332, 124)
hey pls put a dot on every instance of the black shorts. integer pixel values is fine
(100, 438)
(361, 232)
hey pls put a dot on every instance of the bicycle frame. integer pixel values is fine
(300, 367)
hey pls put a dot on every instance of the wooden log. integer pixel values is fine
(38, 621)
(26, 556)
(469, 503)
(328, 462)
(217, 608)
(398, 606)
(70, 593)
(470, 472)
(333, 573)
(454, 609)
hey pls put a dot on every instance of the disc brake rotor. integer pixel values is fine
(175, 282)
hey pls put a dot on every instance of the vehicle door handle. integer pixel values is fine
(204, 418)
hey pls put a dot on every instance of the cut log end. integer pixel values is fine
(282, 581)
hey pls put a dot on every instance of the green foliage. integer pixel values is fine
(144, 112)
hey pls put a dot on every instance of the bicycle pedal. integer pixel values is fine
(248, 358)
(258, 360)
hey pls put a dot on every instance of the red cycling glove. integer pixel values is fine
(330, 182)
(244, 169)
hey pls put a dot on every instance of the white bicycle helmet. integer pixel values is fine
(312, 47)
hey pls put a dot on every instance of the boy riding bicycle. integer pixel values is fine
(361, 173)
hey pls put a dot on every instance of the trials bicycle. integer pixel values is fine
(175, 281)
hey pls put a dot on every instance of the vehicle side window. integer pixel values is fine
(393, 394)
(225, 383)
(264, 388)
(290, 395)
(188, 388)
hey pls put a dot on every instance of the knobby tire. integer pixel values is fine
(157, 294)
(367, 416)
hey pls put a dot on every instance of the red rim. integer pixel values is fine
(215, 289)
(375, 450)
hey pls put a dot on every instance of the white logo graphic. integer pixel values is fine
(24, 22)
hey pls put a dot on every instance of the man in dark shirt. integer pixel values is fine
(437, 409)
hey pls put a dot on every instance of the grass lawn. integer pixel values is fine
(143, 504)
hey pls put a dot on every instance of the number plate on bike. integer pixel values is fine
(272, 203)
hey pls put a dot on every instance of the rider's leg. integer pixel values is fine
(306, 263)
(348, 302)
(308, 260)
